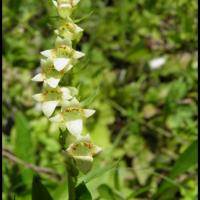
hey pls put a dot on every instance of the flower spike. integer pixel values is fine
(60, 103)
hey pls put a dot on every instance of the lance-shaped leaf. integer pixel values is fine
(71, 116)
(52, 97)
(83, 153)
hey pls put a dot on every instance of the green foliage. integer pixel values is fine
(39, 191)
(82, 192)
(97, 172)
(23, 147)
(146, 119)
(107, 193)
(185, 161)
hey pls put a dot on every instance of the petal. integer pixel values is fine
(38, 97)
(66, 93)
(47, 53)
(89, 158)
(78, 29)
(48, 107)
(75, 102)
(73, 91)
(56, 32)
(78, 54)
(60, 41)
(60, 63)
(52, 82)
(71, 103)
(84, 163)
(55, 3)
(85, 138)
(96, 150)
(157, 62)
(65, 5)
(88, 112)
(57, 118)
(38, 78)
(64, 10)
(75, 127)
(69, 67)
(38, 106)
(75, 2)
(45, 62)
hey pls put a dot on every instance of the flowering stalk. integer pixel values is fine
(60, 104)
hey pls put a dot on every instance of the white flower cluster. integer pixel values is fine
(60, 104)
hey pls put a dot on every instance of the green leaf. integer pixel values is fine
(186, 160)
(107, 193)
(97, 172)
(89, 99)
(82, 193)
(84, 17)
(23, 145)
(61, 191)
(138, 192)
(39, 191)
(177, 91)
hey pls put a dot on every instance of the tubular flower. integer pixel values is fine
(83, 152)
(60, 104)
(49, 74)
(53, 97)
(72, 116)
(70, 31)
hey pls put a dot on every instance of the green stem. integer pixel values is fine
(72, 174)
(71, 187)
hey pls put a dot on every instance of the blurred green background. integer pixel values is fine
(140, 74)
